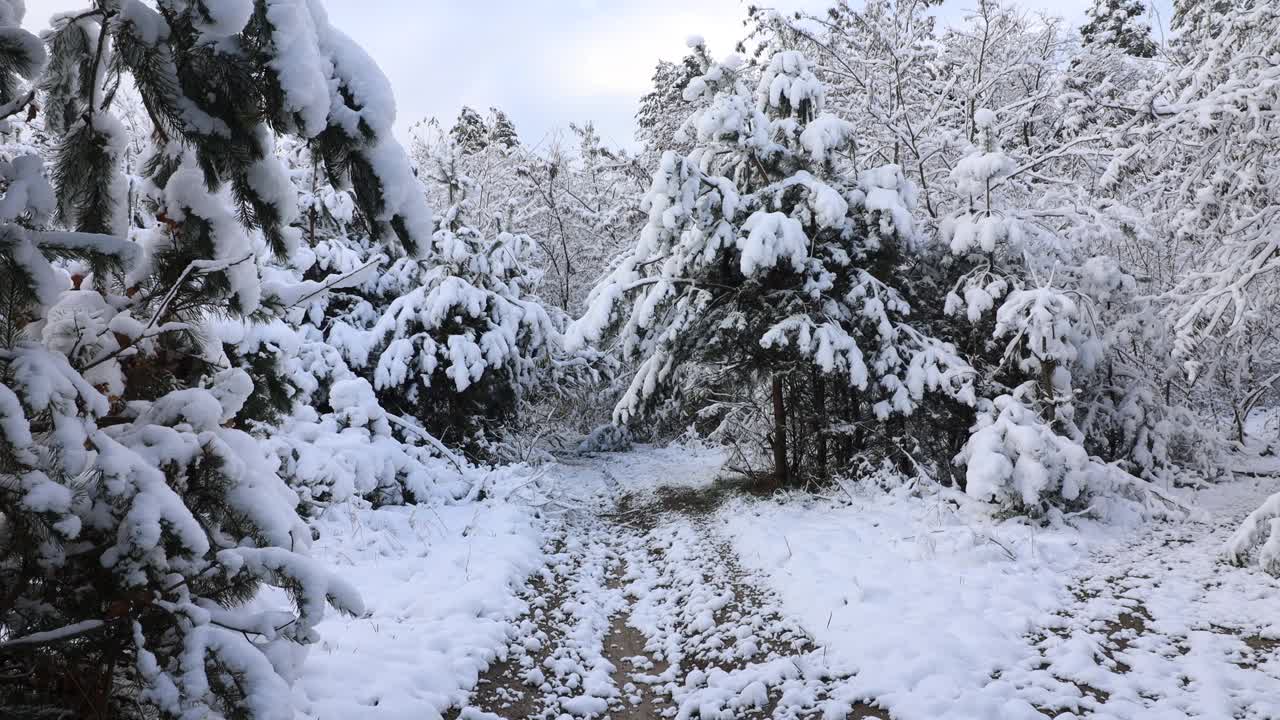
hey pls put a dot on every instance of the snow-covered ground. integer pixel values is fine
(920, 604)
(938, 612)
(1160, 627)
(441, 588)
(643, 585)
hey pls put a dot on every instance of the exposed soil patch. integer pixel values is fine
(1121, 633)
(645, 512)
(1260, 648)
(625, 646)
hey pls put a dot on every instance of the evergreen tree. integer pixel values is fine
(1119, 23)
(1113, 210)
(501, 130)
(470, 132)
(663, 110)
(322, 421)
(1199, 19)
(459, 341)
(137, 514)
(1035, 311)
(764, 262)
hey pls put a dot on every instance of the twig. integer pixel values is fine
(69, 632)
(329, 285)
(439, 446)
(201, 266)
(1001, 545)
(15, 106)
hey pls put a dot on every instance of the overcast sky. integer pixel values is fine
(545, 62)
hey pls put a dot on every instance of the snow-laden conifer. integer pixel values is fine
(761, 261)
(462, 337)
(138, 514)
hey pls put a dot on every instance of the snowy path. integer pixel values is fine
(644, 612)
(944, 615)
(901, 607)
(1159, 627)
(665, 592)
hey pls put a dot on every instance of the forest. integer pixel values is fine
(887, 338)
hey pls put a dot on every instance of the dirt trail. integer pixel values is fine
(1149, 613)
(642, 613)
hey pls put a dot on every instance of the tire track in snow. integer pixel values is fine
(556, 665)
(1164, 628)
(644, 612)
(732, 653)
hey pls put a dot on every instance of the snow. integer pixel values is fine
(772, 237)
(12, 12)
(147, 24)
(890, 194)
(268, 178)
(374, 102)
(913, 599)
(14, 425)
(184, 193)
(440, 585)
(1054, 582)
(934, 609)
(789, 77)
(467, 317)
(402, 193)
(301, 68)
(831, 348)
(688, 466)
(824, 134)
(28, 190)
(1044, 319)
(1261, 531)
(31, 49)
(973, 172)
(218, 19)
(67, 631)
(895, 593)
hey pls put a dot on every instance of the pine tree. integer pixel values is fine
(1053, 320)
(137, 513)
(321, 420)
(763, 263)
(663, 110)
(501, 130)
(1119, 23)
(470, 132)
(1199, 19)
(459, 342)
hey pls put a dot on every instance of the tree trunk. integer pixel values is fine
(779, 433)
(858, 443)
(820, 420)
(1049, 409)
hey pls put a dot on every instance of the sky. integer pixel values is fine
(545, 63)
